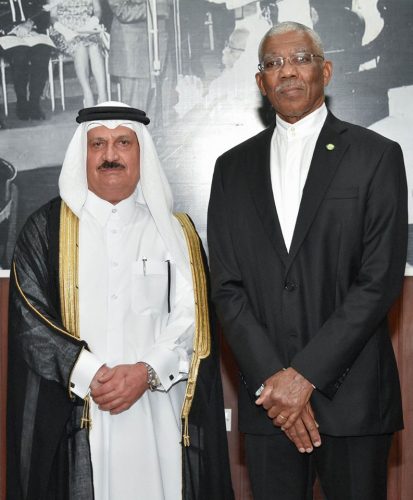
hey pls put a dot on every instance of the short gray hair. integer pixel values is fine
(286, 27)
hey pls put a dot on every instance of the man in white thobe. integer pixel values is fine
(120, 338)
(127, 278)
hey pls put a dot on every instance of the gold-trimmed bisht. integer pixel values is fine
(202, 338)
(69, 285)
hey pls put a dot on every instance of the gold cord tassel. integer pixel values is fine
(185, 433)
(86, 421)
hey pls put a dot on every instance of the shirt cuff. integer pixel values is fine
(85, 369)
(259, 391)
(167, 365)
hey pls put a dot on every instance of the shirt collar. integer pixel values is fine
(308, 125)
(101, 209)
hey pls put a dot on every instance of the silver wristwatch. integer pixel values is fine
(153, 379)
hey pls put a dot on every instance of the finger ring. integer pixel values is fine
(282, 416)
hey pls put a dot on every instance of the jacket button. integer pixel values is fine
(290, 286)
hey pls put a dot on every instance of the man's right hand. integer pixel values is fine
(95, 381)
(118, 388)
(304, 432)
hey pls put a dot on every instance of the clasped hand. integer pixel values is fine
(117, 389)
(285, 397)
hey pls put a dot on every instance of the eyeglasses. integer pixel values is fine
(271, 64)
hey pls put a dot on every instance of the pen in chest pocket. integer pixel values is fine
(168, 263)
(169, 285)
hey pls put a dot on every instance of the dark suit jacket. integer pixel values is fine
(321, 308)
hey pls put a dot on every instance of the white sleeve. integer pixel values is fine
(170, 355)
(86, 366)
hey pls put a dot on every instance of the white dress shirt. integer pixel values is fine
(292, 149)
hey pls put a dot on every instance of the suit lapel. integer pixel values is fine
(261, 190)
(328, 152)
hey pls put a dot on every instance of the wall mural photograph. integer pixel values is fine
(190, 64)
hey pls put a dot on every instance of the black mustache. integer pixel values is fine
(110, 164)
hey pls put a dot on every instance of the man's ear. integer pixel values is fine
(327, 72)
(259, 80)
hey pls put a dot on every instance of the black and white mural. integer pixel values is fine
(190, 64)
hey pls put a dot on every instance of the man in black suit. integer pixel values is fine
(307, 230)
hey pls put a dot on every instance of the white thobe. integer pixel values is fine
(292, 149)
(123, 302)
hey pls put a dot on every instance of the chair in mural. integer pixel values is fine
(8, 212)
(3, 66)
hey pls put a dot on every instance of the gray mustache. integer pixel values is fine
(288, 85)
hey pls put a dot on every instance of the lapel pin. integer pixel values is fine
(330, 147)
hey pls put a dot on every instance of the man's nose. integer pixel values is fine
(111, 153)
(288, 70)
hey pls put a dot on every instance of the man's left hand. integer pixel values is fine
(284, 396)
(304, 433)
(120, 387)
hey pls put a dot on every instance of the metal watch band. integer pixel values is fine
(153, 379)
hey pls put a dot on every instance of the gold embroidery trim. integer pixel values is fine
(69, 286)
(202, 338)
(68, 269)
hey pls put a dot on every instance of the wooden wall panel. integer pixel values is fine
(402, 461)
(4, 293)
(400, 486)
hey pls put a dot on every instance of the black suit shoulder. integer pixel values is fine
(360, 136)
(248, 145)
(253, 153)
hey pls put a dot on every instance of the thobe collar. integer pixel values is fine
(102, 210)
(308, 125)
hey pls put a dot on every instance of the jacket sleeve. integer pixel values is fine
(246, 335)
(328, 357)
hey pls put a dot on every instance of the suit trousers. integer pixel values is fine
(29, 69)
(348, 468)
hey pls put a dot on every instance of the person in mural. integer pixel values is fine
(341, 40)
(77, 32)
(8, 211)
(20, 23)
(192, 22)
(389, 56)
(129, 58)
(307, 229)
(114, 382)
